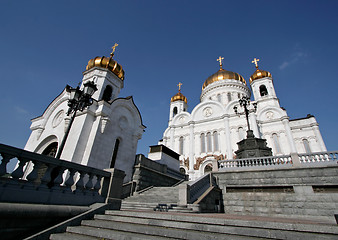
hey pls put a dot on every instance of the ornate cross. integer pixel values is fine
(220, 61)
(255, 61)
(113, 47)
(179, 86)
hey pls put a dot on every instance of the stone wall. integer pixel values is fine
(310, 192)
(150, 173)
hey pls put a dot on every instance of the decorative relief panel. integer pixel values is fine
(269, 115)
(58, 118)
(207, 112)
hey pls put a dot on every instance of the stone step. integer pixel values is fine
(282, 228)
(71, 236)
(164, 225)
(144, 227)
(104, 233)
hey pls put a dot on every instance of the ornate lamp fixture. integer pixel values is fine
(245, 103)
(79, 100)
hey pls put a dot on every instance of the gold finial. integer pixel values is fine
(255, 61)
(113, 47)
(179, 86)
(220, 62)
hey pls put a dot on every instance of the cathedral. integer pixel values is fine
(212, 129)
(106, 134)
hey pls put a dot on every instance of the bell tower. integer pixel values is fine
(178, 103)
(262, 87)
(107, 74)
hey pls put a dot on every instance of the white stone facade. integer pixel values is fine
(212, 129)
(98, 130)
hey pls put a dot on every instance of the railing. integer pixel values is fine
(318, 157)
(199, 186)
(278, 161)
(255, 162)
(38, 178)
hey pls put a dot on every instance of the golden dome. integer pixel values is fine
(259, 74)
(109, 63)
(179, 97)
(222, 74)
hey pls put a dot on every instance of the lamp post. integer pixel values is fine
(245, 103)
(79, 100)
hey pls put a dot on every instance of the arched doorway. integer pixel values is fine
(208, 168)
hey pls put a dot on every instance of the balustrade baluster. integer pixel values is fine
(4, 161)
(47, 176)
(79, 183)
(97, 186)
(18, 172)
(34, 173)
(89, 184)
(59, 179)
(70, 181)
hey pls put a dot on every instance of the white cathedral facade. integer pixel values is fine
(105, 135)
(212, 129)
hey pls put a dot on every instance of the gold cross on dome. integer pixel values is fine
(220, 61)
(255, 61)
(113, 47)
(179, 86)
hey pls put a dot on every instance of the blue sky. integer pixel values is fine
(47, 44)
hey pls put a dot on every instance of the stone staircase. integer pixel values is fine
(165, 225)
(158, 199)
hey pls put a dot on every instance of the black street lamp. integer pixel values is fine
(245, 103)
(78, 100)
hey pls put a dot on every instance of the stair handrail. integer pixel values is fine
(199, 186)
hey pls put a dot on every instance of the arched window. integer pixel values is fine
(238, 95)
(229, 97)
(215, 138)
(202, 143)
(306, 146)
(174, 111)
(182, 170)
(276, 143)
(181, 142)
(116, 148)
(51, 149)
(209, 144)
(263, 91)
(219, 98)
(240, 133)
(107, 93)
(208, 168)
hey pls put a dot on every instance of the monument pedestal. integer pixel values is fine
(252, 147)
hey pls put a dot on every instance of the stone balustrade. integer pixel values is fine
(43, 179)
(318, 157)
(278, 161)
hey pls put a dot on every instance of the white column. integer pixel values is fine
(191, 148)
(289, 135)
(222, 142)
(319, 138)
(253, 124)
(172, 131)
(228, 137)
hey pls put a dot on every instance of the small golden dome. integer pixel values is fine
(222, 74)
(259, 74)
(179, 97)
(109, 63)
